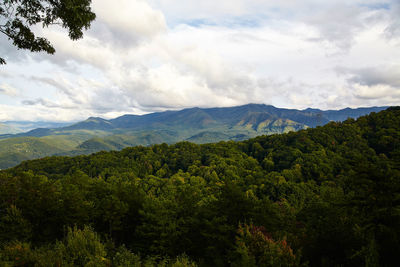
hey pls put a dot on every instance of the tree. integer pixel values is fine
(18, 16)
(254, 247)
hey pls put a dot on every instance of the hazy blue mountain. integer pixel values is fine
(198, 125)
(7, 129)
(343, 114)
(24, 126)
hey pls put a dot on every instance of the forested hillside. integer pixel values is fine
(325, 196)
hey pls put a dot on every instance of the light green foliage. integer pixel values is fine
(124, 258)
(82, 248)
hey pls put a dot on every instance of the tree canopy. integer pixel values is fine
(17, 17)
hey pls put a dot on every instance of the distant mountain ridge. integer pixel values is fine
(199, 125)
(7, 129)
(206, 117)
(13, 127)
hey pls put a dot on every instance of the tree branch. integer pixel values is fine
(8, 35)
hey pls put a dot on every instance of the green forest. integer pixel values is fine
(324, 196)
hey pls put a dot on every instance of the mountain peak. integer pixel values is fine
(95, 118)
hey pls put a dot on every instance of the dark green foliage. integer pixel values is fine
(328, 196)
(20, 15)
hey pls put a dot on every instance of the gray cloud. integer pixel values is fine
(9, 90)
(374, 85)
(5, 74)
(382, 75)
(51, 82)
(393, 29)
(44, 102)
(337, 24)
(62, 87)
(85, 94)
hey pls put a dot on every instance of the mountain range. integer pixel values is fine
(198, 125)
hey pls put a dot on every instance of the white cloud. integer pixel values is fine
(8, 90)
(130, 17)
(38, 113)
(335, 22)
(378, 85)
(142, 56)
(379, 91)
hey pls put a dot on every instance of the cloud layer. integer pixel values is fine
(142, 56)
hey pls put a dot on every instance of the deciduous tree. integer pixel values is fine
(17, 18)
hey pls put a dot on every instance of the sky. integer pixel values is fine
(142, 56)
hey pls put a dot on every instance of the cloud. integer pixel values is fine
(333, 22)
(134, 18)
(44, 103)
(392, 31)
(379, 84)
(84, 94)
(5, 74)
(381, 75)
(40, 113)
(162, 72)
(64, 87)
(337, 25)
(142, 56)
(378, 91)
(53, 82)
(8, 90)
